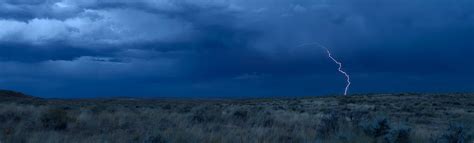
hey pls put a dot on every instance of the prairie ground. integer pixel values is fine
(435, 118)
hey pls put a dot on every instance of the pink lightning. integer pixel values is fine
(348, 78)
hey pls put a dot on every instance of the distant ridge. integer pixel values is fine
(13, 94)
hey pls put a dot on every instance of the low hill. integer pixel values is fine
(13, 94)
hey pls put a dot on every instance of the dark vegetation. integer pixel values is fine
(390, 118)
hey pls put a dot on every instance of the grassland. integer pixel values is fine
(435, 118)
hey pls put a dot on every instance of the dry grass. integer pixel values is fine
(359, 118)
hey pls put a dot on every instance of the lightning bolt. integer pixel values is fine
(348, 78)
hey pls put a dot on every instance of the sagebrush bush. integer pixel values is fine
(155, 139)
(456, 133)
(328, 125)
(398, 134)
(56, 119)
(241, 115)
(376, 127)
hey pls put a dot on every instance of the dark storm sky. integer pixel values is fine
(244, 48)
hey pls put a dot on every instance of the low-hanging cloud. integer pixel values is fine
(96, 27)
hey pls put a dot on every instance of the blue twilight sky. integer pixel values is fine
(234, 48)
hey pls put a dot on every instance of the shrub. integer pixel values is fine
(328, 125)
(400, 134)
(456, 133)
(167, 107)
(155, 139)
(241, 115)
(56, 119)
(205, 115)
(377, 127)
(268, 122)
(10, 116)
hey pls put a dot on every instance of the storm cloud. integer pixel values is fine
(79, 48)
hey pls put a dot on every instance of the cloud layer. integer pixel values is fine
(233, 47)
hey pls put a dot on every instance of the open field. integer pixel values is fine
(358, 118)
